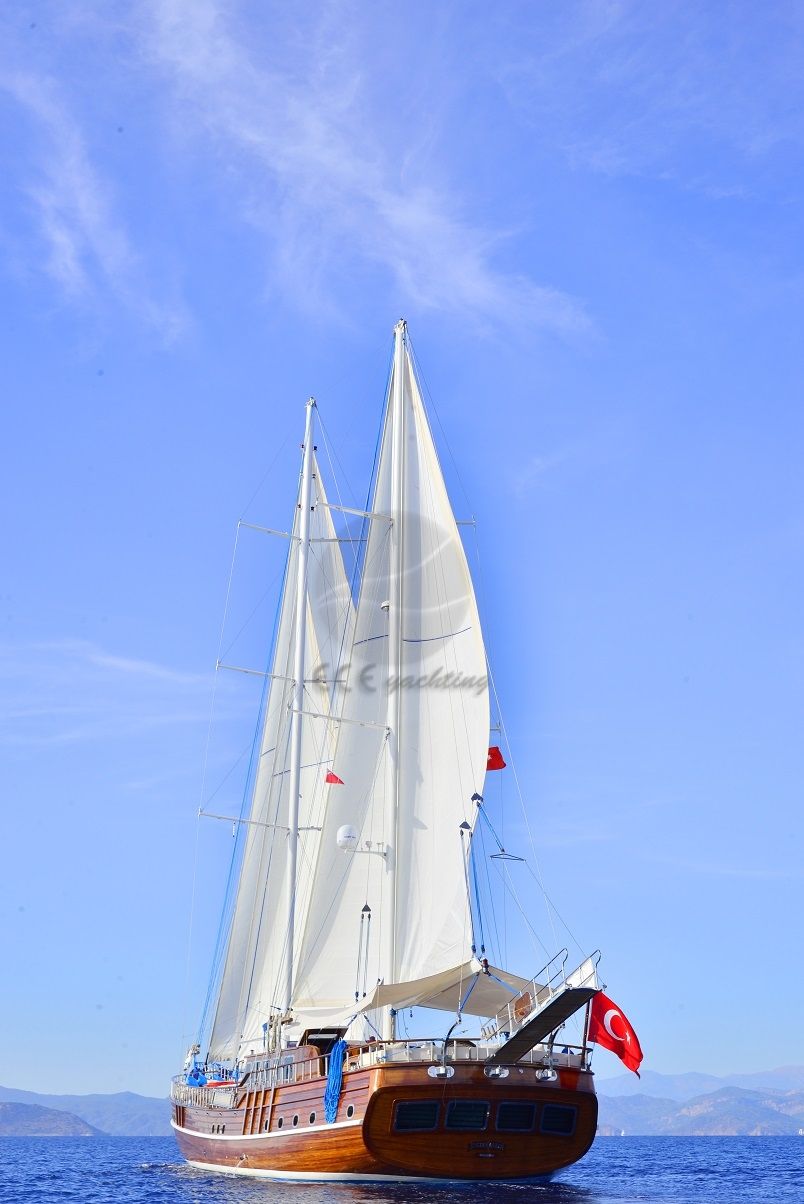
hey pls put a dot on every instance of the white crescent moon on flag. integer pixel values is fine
(607, 1024)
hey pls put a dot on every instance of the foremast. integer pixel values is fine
(294, 768)
(394, 707)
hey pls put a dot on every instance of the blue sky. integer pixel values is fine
(589, 214)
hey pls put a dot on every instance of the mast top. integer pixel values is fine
(401, 326)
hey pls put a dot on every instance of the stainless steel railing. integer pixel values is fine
(424, 1051)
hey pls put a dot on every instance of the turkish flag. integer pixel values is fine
(611, 1028)
(332, 779)
(495, 758)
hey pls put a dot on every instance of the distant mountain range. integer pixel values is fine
(681, 1087)
(122, 1115)
(731, 1111)
(30, 1120)
(768, 1103)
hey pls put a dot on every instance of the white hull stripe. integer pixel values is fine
(347, 1177)
(289, 1132)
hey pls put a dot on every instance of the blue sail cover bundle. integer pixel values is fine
(332, 1094)
(196, 1077)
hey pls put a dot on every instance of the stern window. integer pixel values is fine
(416, 1115)
(467, 1114)
(558, 1120)
(516, 1117)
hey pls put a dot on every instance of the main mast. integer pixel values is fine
(300, 631)
(394, 705)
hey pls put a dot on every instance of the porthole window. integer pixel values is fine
(350, 1111)
(223, 1128)
(295, 1119)
(280, 1122)
(312, 1118)
(265, 1127)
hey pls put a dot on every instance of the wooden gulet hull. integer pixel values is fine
(399, 1123)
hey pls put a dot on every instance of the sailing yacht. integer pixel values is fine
(354, 902)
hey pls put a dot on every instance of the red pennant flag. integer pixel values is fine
(332, 779)
(610, 1027)
(495, 758)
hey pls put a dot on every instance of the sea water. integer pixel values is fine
(617, 1170)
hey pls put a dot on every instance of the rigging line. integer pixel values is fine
(260, 601)
(466, 854)
(186, 993)
(503, 938)
(551, 907)
(267, 472)
(558, 913)
(308, 858)
(258, 905)
(330, 449)
(228, 912)
(504, 900)
(366, 958)
(502, 869)
(432, 405)
(359, 955)
(495, 943)
(205, 765)
(338, 622)
(228, 909)
(305, 863)
(229, 917)
(358, 570)
(226, 776)
(478, 907)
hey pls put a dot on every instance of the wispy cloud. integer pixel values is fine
(338, 188)
(720, 869)
(87, 250)
(682, 91)
(533, 472)
(73, 691)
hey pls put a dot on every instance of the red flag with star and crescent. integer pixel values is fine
(611, 1028)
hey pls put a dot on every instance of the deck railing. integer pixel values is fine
(429, 1051)
(551, 981)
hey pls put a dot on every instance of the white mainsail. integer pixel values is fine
(408, 791)
(256, 959)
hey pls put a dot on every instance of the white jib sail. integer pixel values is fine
(253, 976)
(443, 745)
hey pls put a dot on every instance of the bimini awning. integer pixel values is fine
(470, 988)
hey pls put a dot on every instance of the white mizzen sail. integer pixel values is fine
(256, 960)
(411, 750)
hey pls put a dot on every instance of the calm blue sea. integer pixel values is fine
(618, 1170)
